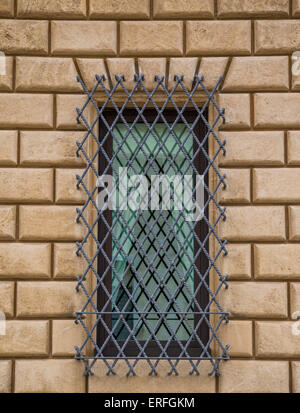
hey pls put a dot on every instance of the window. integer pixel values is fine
(152, 263)
(147, 245)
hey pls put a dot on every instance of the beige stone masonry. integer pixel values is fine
(237, 110)
(295, 297)
(57, 223)
(84, 38)
(251, 376)
(151, 38)
(7, 8)
(162, 383)
(276, 36)
(183, 9)
(276, 339)
(26, 185)
(55, 9)
(239, 335)
(50, 149)
(25, 260)
(276, 185)
(89, 68)
(294, 223)
(24, 110)
(66, 263)
(7, 298)
(257, 73)
(218, 37)
(66, 191)
(238, 186)
(118, 67)
(296, 8)
(295, 76)
(182, 66)
(65, 335)
(46, 74)
(5, 376)
(48, 299)
(255, 299)
(253, 8)
(7, 222)
(293, 151)
(24, 36)
(277, 261)
(9, 148)
(47, 45)
(25, 338)
(276, 110)
(125, 9)
(237, 263)
(49, 376)
(253, 148)
(212, 68)
(269, 223)
(150, 67)
(66, 111)
(6, 80)
(296, 376)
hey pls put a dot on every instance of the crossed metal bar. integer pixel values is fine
(173, 307)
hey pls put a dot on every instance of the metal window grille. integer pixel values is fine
(116, 310)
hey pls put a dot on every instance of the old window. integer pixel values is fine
(154, 296)
(152, 231)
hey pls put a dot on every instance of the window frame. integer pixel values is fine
(201, 229)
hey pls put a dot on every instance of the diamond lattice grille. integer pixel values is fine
(152, 298)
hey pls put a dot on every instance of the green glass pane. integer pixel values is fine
(152, 262)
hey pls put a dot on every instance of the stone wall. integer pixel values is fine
(47, 43)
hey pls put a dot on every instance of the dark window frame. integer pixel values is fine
(201, 229)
